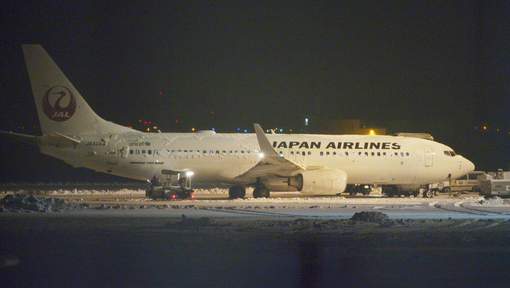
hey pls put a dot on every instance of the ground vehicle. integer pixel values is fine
(354, 189)
(171, 185)
(468, 182)
(496, 184)
(401, 190)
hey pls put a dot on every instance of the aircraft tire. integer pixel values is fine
(428, 194)
(235, 192)
(261, 192)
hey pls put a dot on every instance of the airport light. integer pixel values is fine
(193, 129)
(306, 121)
(189, 173)
(372, 132)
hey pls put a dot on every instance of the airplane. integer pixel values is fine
(312, 164)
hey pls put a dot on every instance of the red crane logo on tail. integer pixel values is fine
(59, 103)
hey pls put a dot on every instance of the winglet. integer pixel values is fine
(264, 144)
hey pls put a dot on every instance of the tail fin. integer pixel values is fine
(60, 107)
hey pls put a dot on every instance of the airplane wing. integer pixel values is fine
(271, 164)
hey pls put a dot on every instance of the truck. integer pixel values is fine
(496, 184)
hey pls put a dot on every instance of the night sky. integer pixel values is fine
(436, 66)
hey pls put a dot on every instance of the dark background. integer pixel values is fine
(421, 66)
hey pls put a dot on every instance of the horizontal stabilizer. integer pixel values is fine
(20, 137)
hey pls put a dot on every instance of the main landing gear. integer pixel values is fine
(235, 192)
(261, 191)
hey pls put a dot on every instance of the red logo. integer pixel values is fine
(59, 103)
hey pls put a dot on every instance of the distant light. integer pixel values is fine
(193, 129)
(307, 121)
(281, 130)
(485, 127)
(189, 173)
(213, 129)
(372, 132)
(238, 129)
(290, 130)
(155, 127)
(147, 129)
(245, 130)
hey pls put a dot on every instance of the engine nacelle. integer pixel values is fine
(320, 182)
(279, 184)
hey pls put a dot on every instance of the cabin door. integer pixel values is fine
(429, 158)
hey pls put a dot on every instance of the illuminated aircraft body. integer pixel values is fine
(312, 164)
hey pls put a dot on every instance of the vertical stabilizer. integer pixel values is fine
(60, 107)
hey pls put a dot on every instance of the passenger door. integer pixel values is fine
(428, 157)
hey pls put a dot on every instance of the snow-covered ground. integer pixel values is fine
(214, 203)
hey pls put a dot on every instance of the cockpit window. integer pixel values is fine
(449, 153)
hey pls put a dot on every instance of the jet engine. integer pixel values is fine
(313, 182)
(320, 182)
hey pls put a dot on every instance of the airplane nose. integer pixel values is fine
(468, 165)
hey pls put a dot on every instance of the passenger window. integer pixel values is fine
(149, 152)
(143, 151)
(309, 153)
(303, 153)
(131, 151)
(322, 153)
(346, 153)
(378, 153)
(327, 153)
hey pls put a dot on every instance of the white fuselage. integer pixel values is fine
(218, 158)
